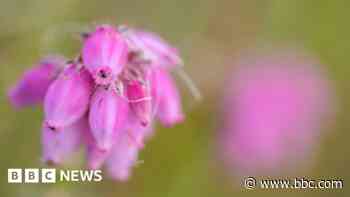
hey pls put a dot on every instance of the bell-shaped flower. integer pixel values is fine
(32, 87)
(58, 146)
(104, 54)
(151, 48)
(124, 154)
(95, 156)
(166, 98)
(67, 98)
(139, 97)
(108, 112)
(122, 158)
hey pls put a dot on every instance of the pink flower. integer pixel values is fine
(67, 98)
(150, 47)
(58, 146)
(166, 98)
(124, 154)
(139, 96)
(104, 54)
(94, 155)
(108, 112)
(273, 110)
(32, 87)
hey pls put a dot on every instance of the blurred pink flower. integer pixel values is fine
(150, 47)
(166, 98)
(32, 87)
(273, 109)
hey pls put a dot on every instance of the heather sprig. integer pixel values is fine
(104, 99)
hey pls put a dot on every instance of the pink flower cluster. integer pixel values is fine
(105, 99)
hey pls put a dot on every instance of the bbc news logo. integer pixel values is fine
(50, 175)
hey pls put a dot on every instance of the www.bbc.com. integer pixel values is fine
(296, 183)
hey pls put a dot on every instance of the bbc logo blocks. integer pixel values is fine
(14, 175)
(31, 175)
(51, 175)
(48, 175)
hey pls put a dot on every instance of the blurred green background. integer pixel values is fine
(179, 161)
